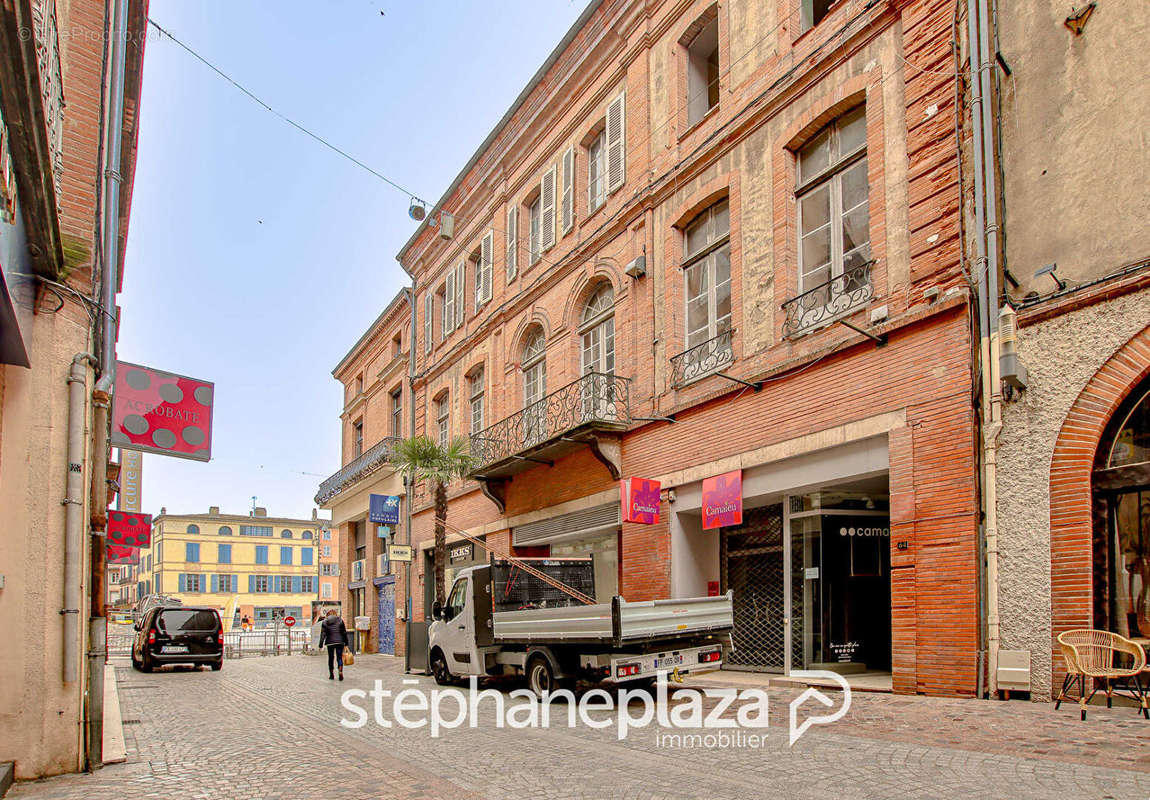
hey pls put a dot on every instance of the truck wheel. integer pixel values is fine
(540, 676)
(439, 669)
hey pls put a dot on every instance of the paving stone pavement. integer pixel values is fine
(268, 728)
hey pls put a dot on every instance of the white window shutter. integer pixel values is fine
(460, 282)
(486, 257)
(449, 303)
(616, 142)
(568, 190)
(428, 314)
(512, 242)
(547, 210)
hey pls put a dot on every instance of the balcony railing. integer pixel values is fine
(596, 399)
(371, 461)
(702, 360)
(824, 303)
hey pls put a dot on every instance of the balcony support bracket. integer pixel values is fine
(609, 451)
(495, 490)
(757, 385)
(878, 340)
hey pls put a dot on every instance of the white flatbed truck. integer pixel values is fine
(499, 620)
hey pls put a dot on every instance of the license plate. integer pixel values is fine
(174, 648)
(668, 661)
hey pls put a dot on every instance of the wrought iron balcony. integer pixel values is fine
(826, 302)
(702, 360)
(367, 464)
(594, 402)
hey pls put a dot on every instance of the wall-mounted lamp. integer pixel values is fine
(417, 211)
(670, 495)
(1051, 269)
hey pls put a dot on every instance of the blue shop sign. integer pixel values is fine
(384, 509)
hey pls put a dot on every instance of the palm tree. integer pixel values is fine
(422, 458)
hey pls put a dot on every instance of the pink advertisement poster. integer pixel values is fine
(160, 412)
(129, 528)
(640, 500)
(723, 500)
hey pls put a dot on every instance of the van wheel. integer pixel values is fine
(439, 669)
(540, 676)
(218, 665)
(145, 663)
(136, 664)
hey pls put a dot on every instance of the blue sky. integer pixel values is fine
(256, 257)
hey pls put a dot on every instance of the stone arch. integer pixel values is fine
(598, 274)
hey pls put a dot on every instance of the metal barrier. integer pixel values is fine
(268, 642)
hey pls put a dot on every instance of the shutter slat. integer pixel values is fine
(512, 242)
(460, 282)
(486, 257)
(616, 142)
(568, 189)
(449, 303)
(547, 210)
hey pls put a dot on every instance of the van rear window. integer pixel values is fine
(181, 619)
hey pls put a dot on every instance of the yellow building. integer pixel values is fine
(253, 566)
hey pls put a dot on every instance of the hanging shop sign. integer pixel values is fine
(399, 552)
(160, 412)
(723, 500)
(384, 509)
(131, 475)
(129, 529)
(640, 500)
(118, 554)
(461, 552)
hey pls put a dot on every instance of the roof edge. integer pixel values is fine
(372, 328)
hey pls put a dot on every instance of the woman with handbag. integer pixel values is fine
(333, 635)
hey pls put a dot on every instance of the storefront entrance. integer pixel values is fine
(751, 567)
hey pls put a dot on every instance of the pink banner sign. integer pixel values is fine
(160, 412)
(118, 554)
(130, 528)
(640, 500)
(723, 500)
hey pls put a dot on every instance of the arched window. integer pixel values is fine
(597, 329)
(224, 531)
(306, 535)
(193, 529)
(534, 385)
(443, 418)
(285, 534)
(1132, 442)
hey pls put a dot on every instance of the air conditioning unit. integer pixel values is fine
(1014, 670)
(357, 570)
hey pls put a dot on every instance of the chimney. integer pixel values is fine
(314, 513)
(261, 511)
(214, 510)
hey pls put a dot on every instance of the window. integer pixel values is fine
(397, 345)
(261, 583)
(224, 531)
(305, 556)
(476, 395)
(512, 234)
(283, 584)
(327, 536)
(813, 12)
(228, 583)
(456, 600)
(596, 173)
(534, 386)
(616, 142)
(597, 329)
(286, 556)
(707, 268)
(356, 444)
(535, 229)
(307, 584)
(191, 551)
(256, 530)
(703, 70)
(327, 551)
(482, 259)
(306, 535)
(223, 554)
(428, 321)
(261, 554)
(833, 222)
(451, 298)
(191, 583)
(328, 569)
(443, 418)
(193, 529)
(326, 591)
(397, 412)
(286, 534)
(359, 384)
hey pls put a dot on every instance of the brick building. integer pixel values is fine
(711, 238)
(69, 104)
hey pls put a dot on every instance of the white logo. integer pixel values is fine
(817, 674)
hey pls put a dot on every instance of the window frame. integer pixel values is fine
(597, 163)
(357, 438)
(476, 398)
(534, 367)
(597, 331)
(535, 230)
(396, 396)
(706, 258)
(443, 419)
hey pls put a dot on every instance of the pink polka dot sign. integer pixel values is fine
(129, 529)
(123, 555)
(160, 412)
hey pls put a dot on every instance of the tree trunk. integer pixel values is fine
(440, 541)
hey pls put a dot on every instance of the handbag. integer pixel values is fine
(348, 657)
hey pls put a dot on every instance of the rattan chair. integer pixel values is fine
(1091, 654)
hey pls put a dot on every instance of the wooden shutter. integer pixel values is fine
(428, 323)
(449, 303)
(183, 582)
(568, 211)
(486, 256)
(215, 583)
(616, 141)
(512, 242)
(460, 282)
(547, 210)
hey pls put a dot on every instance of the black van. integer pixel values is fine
(178, 635)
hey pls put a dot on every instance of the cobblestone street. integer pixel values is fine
(268, 728)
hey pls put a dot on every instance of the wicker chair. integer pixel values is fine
(1091, 654)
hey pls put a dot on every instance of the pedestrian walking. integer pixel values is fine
(246, 623)
(333, 635)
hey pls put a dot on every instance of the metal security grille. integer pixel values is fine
(751, 566)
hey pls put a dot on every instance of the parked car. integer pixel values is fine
(178, 635)
(150, 601)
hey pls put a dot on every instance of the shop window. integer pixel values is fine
(703, 68)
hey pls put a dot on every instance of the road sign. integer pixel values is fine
(399, 552)
(289, 621)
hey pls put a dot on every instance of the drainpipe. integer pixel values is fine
(986, 266)
(408, 483)
(74, 512)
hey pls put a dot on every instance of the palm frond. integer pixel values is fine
(423, 458)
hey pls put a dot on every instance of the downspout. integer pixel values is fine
(74, 512)
(408, 482)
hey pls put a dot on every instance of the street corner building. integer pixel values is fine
(251, 566)
(69, 107)
(704, 241)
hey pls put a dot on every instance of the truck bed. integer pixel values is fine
(616, 623)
